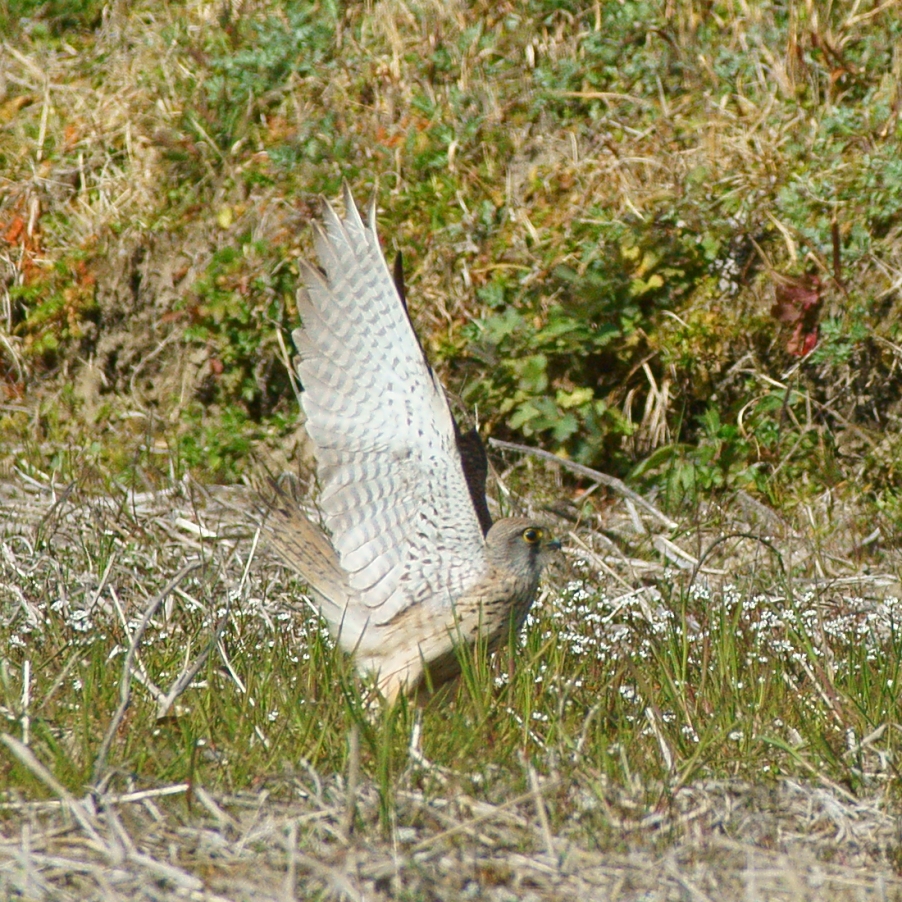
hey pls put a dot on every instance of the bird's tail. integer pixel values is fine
(305, 548)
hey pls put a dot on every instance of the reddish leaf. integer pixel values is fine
(15, 229)
(799, 301)
(803, 342)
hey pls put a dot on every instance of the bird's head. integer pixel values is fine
(521, 545)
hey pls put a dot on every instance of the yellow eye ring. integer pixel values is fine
(532, 535)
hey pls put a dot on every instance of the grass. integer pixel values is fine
(597, 211)
(621, 222)
(620, 704)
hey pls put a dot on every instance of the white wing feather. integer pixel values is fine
(394, 496)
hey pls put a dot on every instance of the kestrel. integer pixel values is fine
(409, 564)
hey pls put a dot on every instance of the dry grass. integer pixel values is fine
(186, 803)
(705, 704)
(161, 844)
(133, 163)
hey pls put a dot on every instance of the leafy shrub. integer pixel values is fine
(232, 312)
(563, 366)
(56, 310)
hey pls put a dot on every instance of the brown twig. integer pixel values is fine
(125, 683)
(611, 482)
(187, 675)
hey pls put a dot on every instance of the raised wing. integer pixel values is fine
(394, 496)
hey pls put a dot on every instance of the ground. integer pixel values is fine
(660, 241)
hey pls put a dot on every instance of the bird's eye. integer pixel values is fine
(531, 535)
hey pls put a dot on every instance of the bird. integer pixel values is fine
(404, 563)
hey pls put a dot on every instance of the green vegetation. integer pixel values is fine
(659, 239)
(670, 683)
(597, 206)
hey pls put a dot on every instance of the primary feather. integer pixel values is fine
(410, 563)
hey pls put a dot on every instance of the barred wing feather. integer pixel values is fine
(394, 496)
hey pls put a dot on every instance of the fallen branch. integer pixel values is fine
(611, 482)
(190, 672)
(125, 683)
